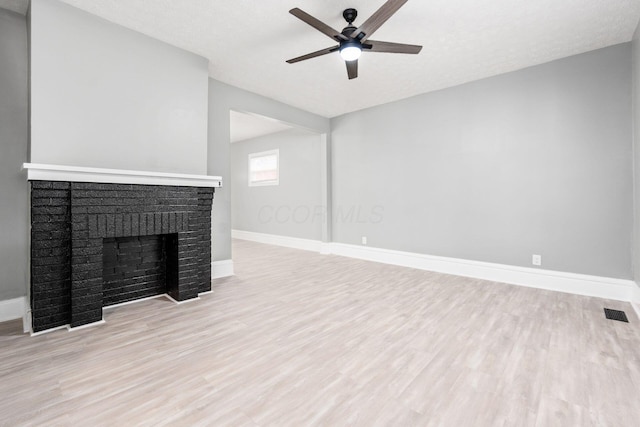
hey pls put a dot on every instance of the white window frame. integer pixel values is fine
(263, 154)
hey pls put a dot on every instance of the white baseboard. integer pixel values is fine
(135, 301)
(223, 268)
(12, 309)
(635, 299)
(69, 328)
(325, 248)
(27, 327)
(88, 325)
(288, 242)
(580, 284)
(595, 286)
(46, 331)
(109, 307)
(186, 301)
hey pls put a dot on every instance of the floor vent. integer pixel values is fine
(618, 315)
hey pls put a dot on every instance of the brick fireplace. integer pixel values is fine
(96, 244)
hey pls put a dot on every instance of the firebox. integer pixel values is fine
(138, 267)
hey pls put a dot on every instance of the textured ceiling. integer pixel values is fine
(247, 126)
(20, 6)
(248, 41)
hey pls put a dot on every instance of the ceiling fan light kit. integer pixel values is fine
(350, 51)
(354, 40)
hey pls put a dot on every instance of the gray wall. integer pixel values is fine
(106, 96)
(14, 214)
(636, 154)
(536, 161)
(292, 208)
(222, 99)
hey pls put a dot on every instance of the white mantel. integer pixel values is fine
(41, 172)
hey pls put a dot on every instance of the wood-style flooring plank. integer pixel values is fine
(297, 338)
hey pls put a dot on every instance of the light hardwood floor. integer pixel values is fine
(297, 338)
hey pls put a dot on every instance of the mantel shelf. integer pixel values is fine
(42, 172)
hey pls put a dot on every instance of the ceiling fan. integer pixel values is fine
(352, 41)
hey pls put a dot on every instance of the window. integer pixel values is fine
(264, 168)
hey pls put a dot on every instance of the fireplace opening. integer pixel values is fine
(138, 267)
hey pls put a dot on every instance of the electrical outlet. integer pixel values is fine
(536, 260)
(364, 240)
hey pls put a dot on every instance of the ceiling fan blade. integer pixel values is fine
(317, 24)
(352, 69)
(377, 19)
(376, 46)
(314, 54)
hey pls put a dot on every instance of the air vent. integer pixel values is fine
(616, 315)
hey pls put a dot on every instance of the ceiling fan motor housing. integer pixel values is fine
(347, 31)
(350, 15)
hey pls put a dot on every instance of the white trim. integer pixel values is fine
(12, 309)
(26, 322)
(636, 308)
(251, 156)
(272, 239)
(182, 302)
(223, 268)
(325, 248)
(88, 325)
(46, 331)
(580, 284)
(635, 299)
(108, 307)
(41, 172)
(133, 301)
(165, 296)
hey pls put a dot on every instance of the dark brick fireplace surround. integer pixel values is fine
(98, 244)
